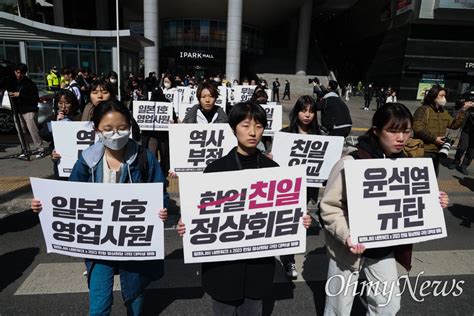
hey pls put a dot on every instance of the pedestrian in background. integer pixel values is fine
(287, 90)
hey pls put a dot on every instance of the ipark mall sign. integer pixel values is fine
(196, 55)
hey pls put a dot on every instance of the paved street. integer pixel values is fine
(36, 283)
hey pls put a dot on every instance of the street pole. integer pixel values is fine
(118, 50)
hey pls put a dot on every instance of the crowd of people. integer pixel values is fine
(239, 287)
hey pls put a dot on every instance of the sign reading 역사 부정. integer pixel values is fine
(152, 116)
(101, 221)
(274, 118)
(257, 214)
(70, 139)
(317, 153)
(393, 202)
(198, 145)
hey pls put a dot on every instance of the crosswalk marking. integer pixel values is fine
(61, 278)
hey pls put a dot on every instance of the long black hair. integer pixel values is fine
(432, 95)
(301, 104)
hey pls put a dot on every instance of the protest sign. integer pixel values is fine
(393, 202)
(242, 93)
(257, 214)
(274, 119)
(318, 153)
(101, 221)
(70, 139)
(152, 116)
(199, 145)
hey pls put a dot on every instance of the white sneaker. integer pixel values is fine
(290, 270)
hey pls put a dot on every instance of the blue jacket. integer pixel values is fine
(135, 276)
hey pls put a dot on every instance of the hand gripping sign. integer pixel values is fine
(70, 139)
(393, 202)
(197, 145)
(257, 214)
(318, 153)
(152, 116)
(101, 221)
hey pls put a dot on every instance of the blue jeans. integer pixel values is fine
(101, 281)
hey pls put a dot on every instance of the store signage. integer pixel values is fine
(469, 65)
(196, 55)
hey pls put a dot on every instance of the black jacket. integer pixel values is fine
(28, 99)
(235, 280)
(334, 114)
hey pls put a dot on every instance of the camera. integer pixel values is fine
(444, 151)
(315, 79)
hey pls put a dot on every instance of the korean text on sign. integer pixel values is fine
(396, 201)
(103, 221)
(317, 153)
(245, 219)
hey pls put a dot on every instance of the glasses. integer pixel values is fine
(119, 132)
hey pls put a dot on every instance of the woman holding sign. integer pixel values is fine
(391, 128)
(206, 111)
(116, 158)
(238, 287)
(303, 120)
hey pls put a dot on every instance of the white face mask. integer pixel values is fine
(114, 140)
(441, 101)
(167, 85)
(113, 81)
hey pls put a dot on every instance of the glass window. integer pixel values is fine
(172, 30)
(13, 43)
(35, 60)
(34, 44)
(70, 58)
(87, 60)
(204, 32)
(104, 62)
(12, 54)
(86, 46)
(49, 44)
(51, 58)
(69, 45)
(188, 32)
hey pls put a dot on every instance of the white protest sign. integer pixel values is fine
(274, 119)
(199, 145)
(152, 116)
(101, 221)
(393, 202)
(184, 109)
(270, 95)
(189, 96)
(242, 93)
(172, 96)
(257, 214)
(318, 153)
(70, 139)
(222, 99)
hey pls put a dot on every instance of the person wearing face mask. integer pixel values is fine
(206, 110)
(430, 122)
(116, 158)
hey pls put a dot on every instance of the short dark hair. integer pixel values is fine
(259, 94)
(110, 106)
(433, 94)
(22, 68)
(209, 86)
(333, 85)
(107, 86)
(70, 97)
(244, 110)
(69, 71)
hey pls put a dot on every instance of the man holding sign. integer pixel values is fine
(238, 286)
(391, 128)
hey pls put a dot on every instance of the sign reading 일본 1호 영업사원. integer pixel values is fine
(199, 145)
(101, 221)
(317, 153)
(393, 202)
(257, 214)
(70, 139)
(152, 116)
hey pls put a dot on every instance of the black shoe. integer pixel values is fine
(462, 169)
(453, 166)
